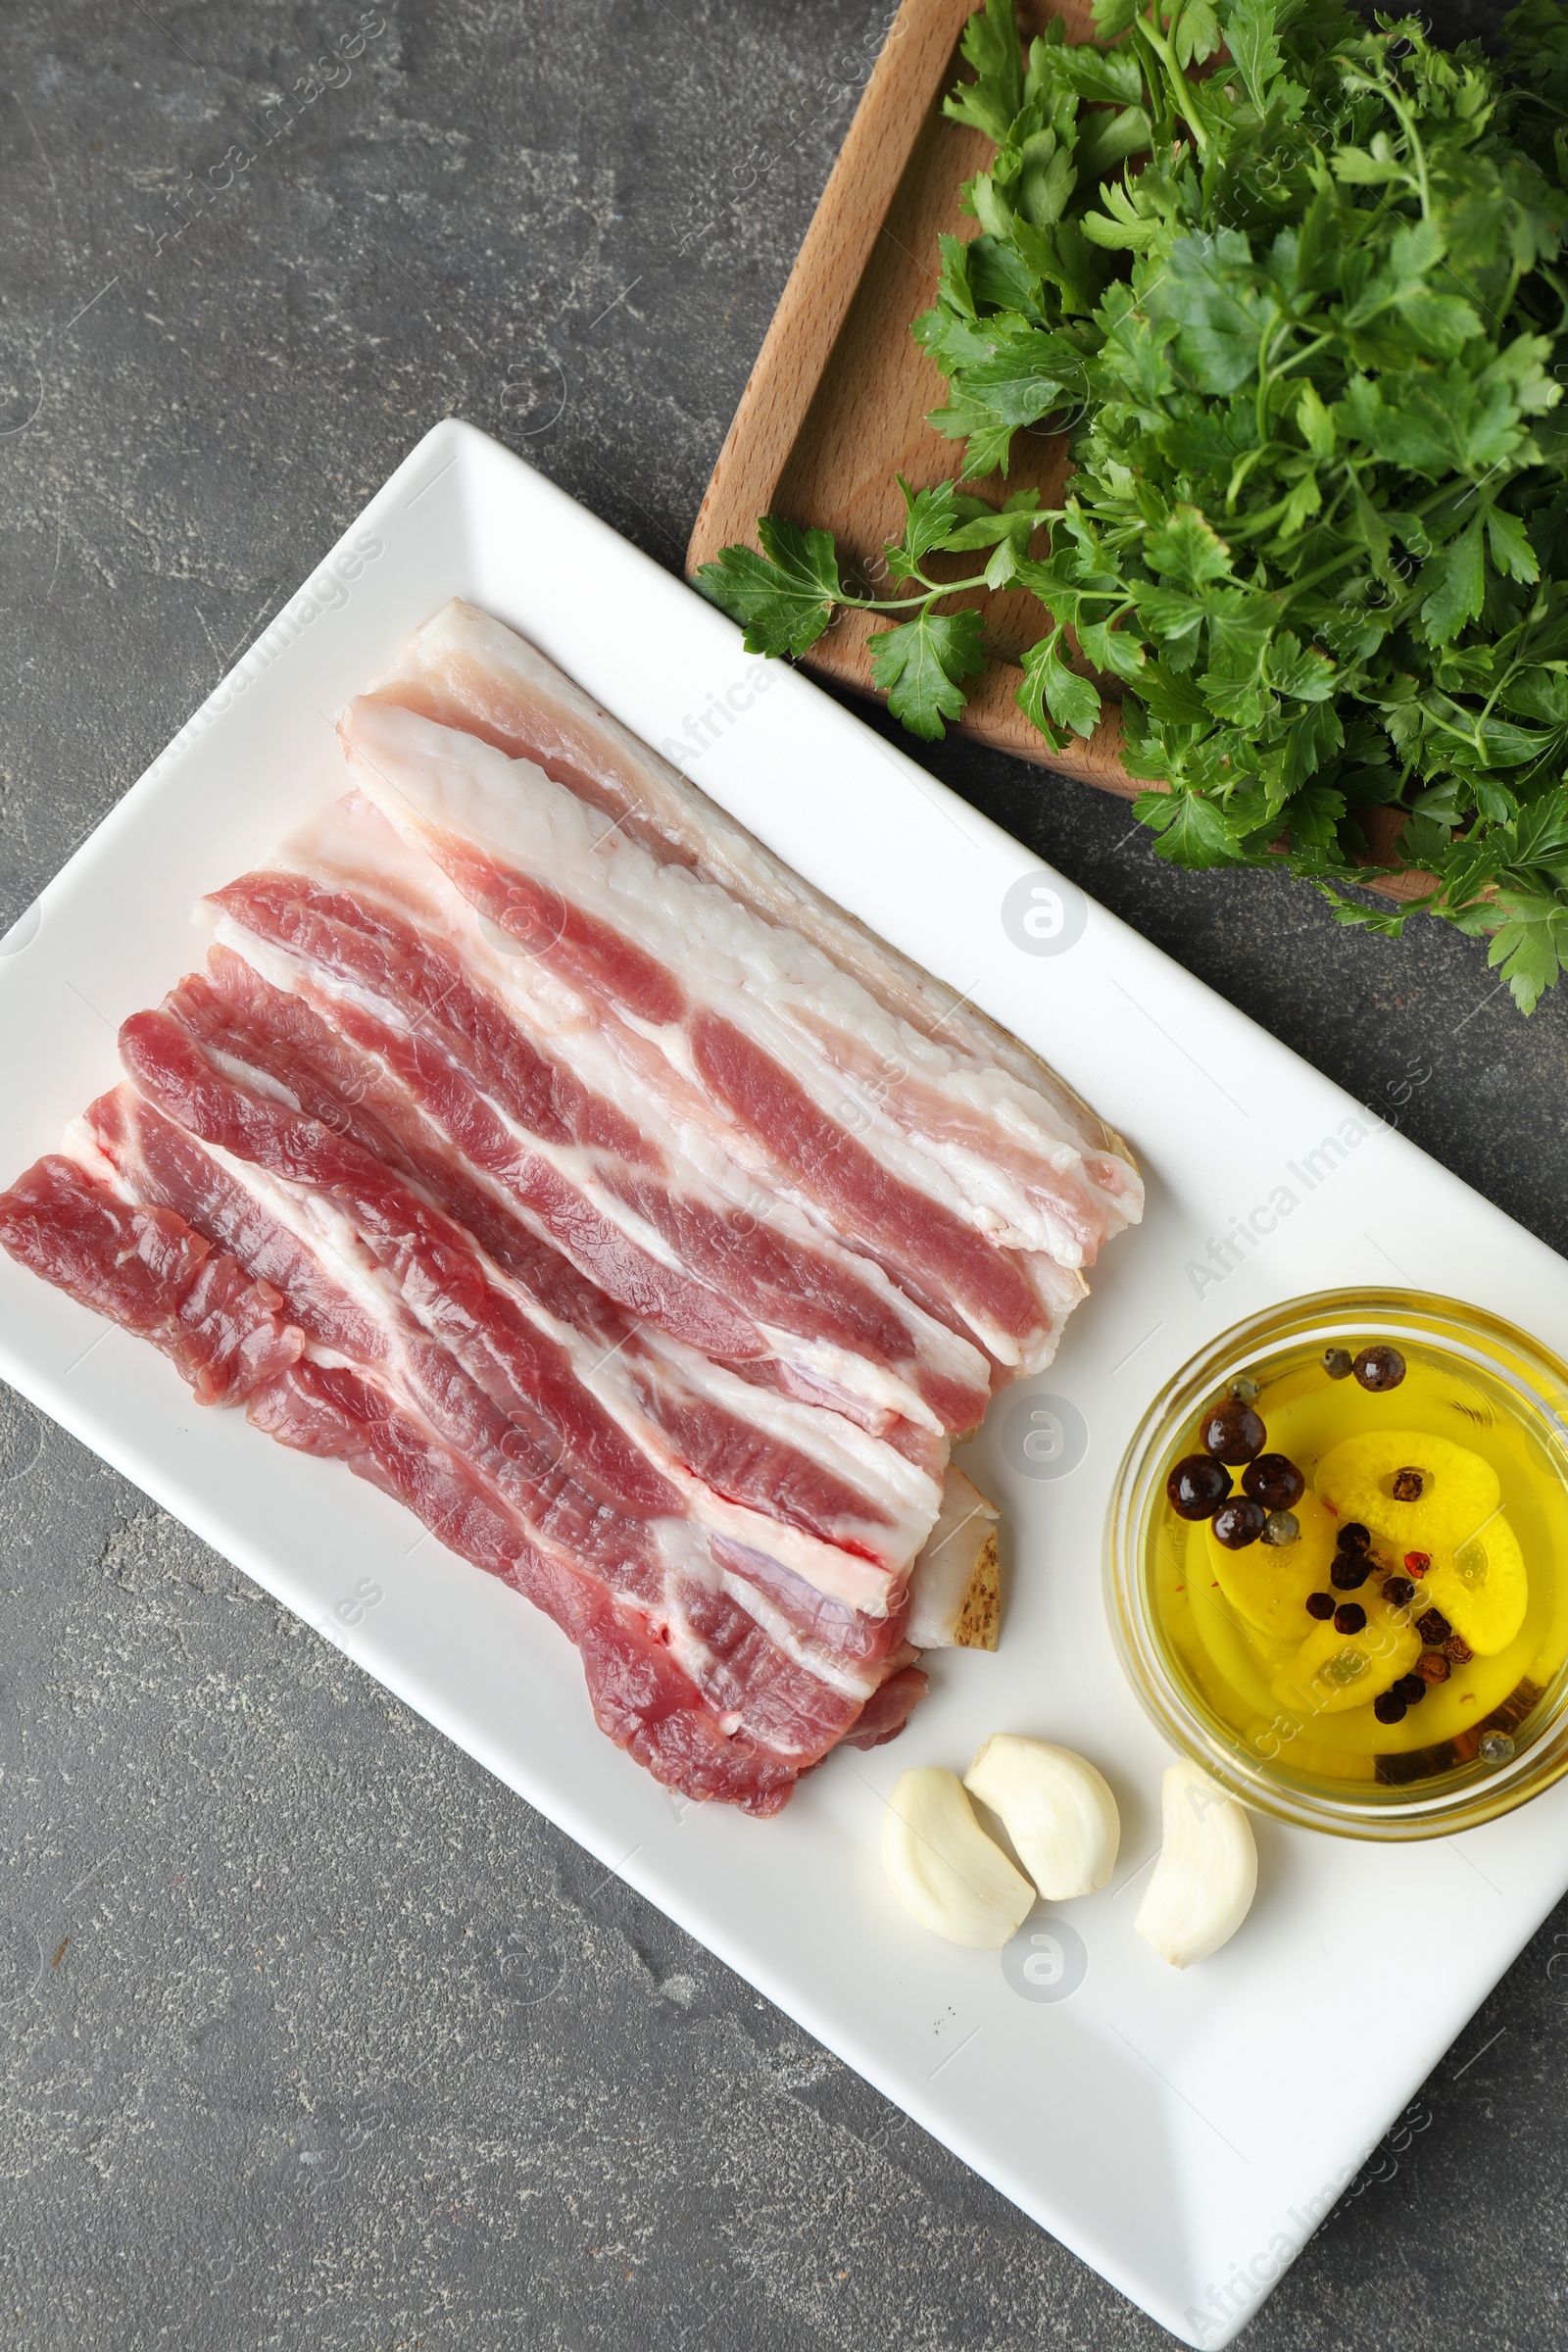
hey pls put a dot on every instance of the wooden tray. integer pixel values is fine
(837, 402)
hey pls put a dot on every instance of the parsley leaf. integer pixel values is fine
(784, 597)
(919, 667)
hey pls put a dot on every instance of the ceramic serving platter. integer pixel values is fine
(1182, 2132)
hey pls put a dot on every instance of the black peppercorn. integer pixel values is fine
(1320, 1604)
(1198, 1486)
(1348, 1572)
(1412, 1688)
(1399, 1591)
(1232, 1431)
(1239, 1522)
(1408, 1485)
(1274, 1481)
(1433, 1667)
(1353, 1536)
(1434, 1628)
(1388, 1707)
(1349, 1617)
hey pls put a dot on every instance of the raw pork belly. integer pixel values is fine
(536, 1143)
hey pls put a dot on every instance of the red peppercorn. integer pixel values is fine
(1232, 1431)
(1320, 1604)
(1349, 1617)
(1198, 1486)
(1418, 1562)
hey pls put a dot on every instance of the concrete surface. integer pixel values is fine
(313, 2036)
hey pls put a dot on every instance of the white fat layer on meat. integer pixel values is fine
(330, 1234)
(836, 1673)
(352, 841)
(484, 667)
(79, 1143)
(619, 1061)
(840, 1575)
(429, 780)
(706, 1130)
(830, 1367)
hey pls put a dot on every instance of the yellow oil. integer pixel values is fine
(1232, 1667)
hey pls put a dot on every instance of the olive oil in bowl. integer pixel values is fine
(1339, 1563)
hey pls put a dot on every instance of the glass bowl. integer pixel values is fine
(1520, 1747)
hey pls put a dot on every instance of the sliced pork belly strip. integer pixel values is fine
(802, 1467)
(569, 1441)
(641, 1697)
(147, 1270)
(585, 909)
(798, 1693)
(382, 966)
(465, 669)
(601, 908)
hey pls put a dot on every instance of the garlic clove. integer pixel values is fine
(1057, 1809)
(944, 1868)
(1206, 1875)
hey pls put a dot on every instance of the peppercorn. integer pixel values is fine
(1244, 1387)
(1281, 1527)
(1433, 1667)
(1412, 1688)
(1434, 1628)
(1349, 1572)
(1399, 1591)
(1232, 1431)
(1458, 1649)
(1337, 1363)
(1388, 1707)
(1408, 1485)
(1379, 1368)
(1239, 1522)
(1320, 1604)
(1353, 1536)
(1349, 1617)
(1198, 1486)
(1274, 1481)
(1418, 1562)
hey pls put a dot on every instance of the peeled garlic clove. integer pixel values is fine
(1206, 1875)
(1057, 1809)
(944, 1868)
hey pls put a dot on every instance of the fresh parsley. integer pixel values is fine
(1297, 290)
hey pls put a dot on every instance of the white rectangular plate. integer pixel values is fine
(1174, 2130)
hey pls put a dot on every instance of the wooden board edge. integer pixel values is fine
(910, 73)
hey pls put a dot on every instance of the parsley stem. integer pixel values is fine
(924, 596)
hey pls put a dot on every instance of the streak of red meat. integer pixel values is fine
(147, 1270)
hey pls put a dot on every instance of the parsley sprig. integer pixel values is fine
(1295, 287)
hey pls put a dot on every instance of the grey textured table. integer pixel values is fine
(312, 2035)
